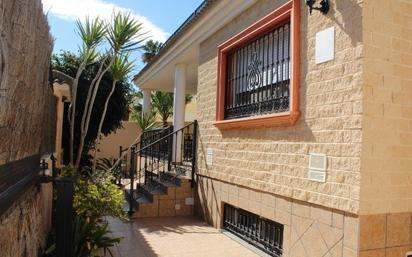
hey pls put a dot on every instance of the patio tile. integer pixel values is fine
(173, 237)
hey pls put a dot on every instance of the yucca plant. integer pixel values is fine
(145, 121)
(123, 35)
(119, 69)
(92, 33)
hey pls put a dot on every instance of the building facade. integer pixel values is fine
(304, 119)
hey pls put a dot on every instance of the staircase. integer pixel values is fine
(161, 173)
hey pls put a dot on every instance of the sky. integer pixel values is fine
(160, 18)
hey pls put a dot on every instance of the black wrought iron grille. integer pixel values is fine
(258, 76)
(262, 233)
(150, 136)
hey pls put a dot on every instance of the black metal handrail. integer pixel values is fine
(150, 163)
(153, 135)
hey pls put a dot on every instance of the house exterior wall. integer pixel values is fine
(264, 170)
(27, 119)
(386, 162)
(275, 159)
(109, 145)
(387, 147)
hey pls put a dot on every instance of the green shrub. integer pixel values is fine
(95, 197)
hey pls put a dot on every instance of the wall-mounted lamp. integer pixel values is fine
(323, 6)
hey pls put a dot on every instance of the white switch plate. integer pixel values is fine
(325, 45)
(177, 206)
(209, 156)
(189, 201)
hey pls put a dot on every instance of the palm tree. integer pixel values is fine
(123, 36)
(119, 69)
(151, 49)
(162, 103)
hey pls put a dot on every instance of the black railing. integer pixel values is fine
(153, 135)
(16, 177)
(258, 74)
(262, 233)
(171, 155)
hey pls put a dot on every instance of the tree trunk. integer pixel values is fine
(73, 108)
(101, 124)
(85, 127)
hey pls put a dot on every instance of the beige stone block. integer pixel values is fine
(233, 200)
(372, 231)
(313, 242)
(398, 231)
(283, 217)
(268, 212)
(337, 250)
(243, 203)
(397, 251)
(167, 208)
(301, 209)
(254, 207)
(244, 192)
(255, 196)
(182, 193)
(351, 232)
(297, 250)
(148, 210)
(337, 219)
(372, 253)
(184, 210)
(299, 226)
(283, 204)
(268, 200)
(348, 252)
(321, 214)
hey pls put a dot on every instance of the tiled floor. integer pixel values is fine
(173, 237)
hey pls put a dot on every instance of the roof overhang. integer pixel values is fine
(159, 74)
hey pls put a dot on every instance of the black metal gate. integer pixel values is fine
(264, 234)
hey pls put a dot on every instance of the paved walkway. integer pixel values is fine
(173, 237)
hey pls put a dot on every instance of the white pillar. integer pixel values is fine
(147, 105)
(179, 109)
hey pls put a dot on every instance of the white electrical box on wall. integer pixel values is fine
(209, 156)
(317, 167)
(189, 201)
(325, 45)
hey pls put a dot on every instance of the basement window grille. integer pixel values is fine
(258, 75)
(264, 234)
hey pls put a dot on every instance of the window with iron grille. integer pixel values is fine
(264, 234)
(258, 75)
(259, 72)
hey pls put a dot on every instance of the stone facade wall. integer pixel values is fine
(24, 228)
(309, 230)
(27, 103)
(387, 124)
(275, 160)
(27, 119)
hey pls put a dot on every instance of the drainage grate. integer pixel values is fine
(262, 233)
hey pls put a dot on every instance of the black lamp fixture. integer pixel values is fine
(323, 6)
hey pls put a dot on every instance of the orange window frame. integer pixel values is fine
(289, 11)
